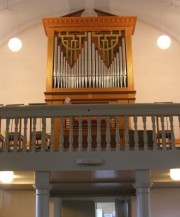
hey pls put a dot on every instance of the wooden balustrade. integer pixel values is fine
(129, 127)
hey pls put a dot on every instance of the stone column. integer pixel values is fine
(42, 188)
(57, 212)
(143, 186)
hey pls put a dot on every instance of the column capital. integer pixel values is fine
(142, 189)
(142, 176)
(143, 185)
(42, 187)
(42, 178)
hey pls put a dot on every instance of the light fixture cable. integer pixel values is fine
(163, 40)
(15, 43)
(162, 22)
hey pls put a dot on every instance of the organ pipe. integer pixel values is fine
(124, 61)
(55, 60)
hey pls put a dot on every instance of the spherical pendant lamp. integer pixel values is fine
(15, 44)
(164, 42)
(6, 176)
(175, 174)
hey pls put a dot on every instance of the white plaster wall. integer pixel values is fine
(19, 203)
(156, 71)
(23, 74)
(164, 202)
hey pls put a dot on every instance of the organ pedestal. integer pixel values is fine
(89, 60)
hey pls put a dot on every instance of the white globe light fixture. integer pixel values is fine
(175, 174)
(15, 44)
(6, 176)
(164, 42)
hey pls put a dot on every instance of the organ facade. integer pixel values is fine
(89, 59)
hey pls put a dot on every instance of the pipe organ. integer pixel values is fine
(89, 59)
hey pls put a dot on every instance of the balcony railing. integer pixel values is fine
(68, 128)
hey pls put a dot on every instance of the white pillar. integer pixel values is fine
(122, 207)
(42, 188)
(143, 186)
(57, 207)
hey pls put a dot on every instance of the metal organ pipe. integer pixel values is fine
(89, 59)
(121, 68)
(93, 65)
(77, 74)
(85, 64)
(64, 72)
(114, 70)
(97, 70)
(118, 73)
(55, 61)
(82, 68)
(58, 67)
(124, 61)
(100, 72)
(61, 69)
(80, 72)
(65, 76)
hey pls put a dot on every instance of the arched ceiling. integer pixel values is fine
(17, 15)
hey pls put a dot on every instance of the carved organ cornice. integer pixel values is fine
(57, 24)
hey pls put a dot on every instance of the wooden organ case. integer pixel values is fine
(89, 59)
